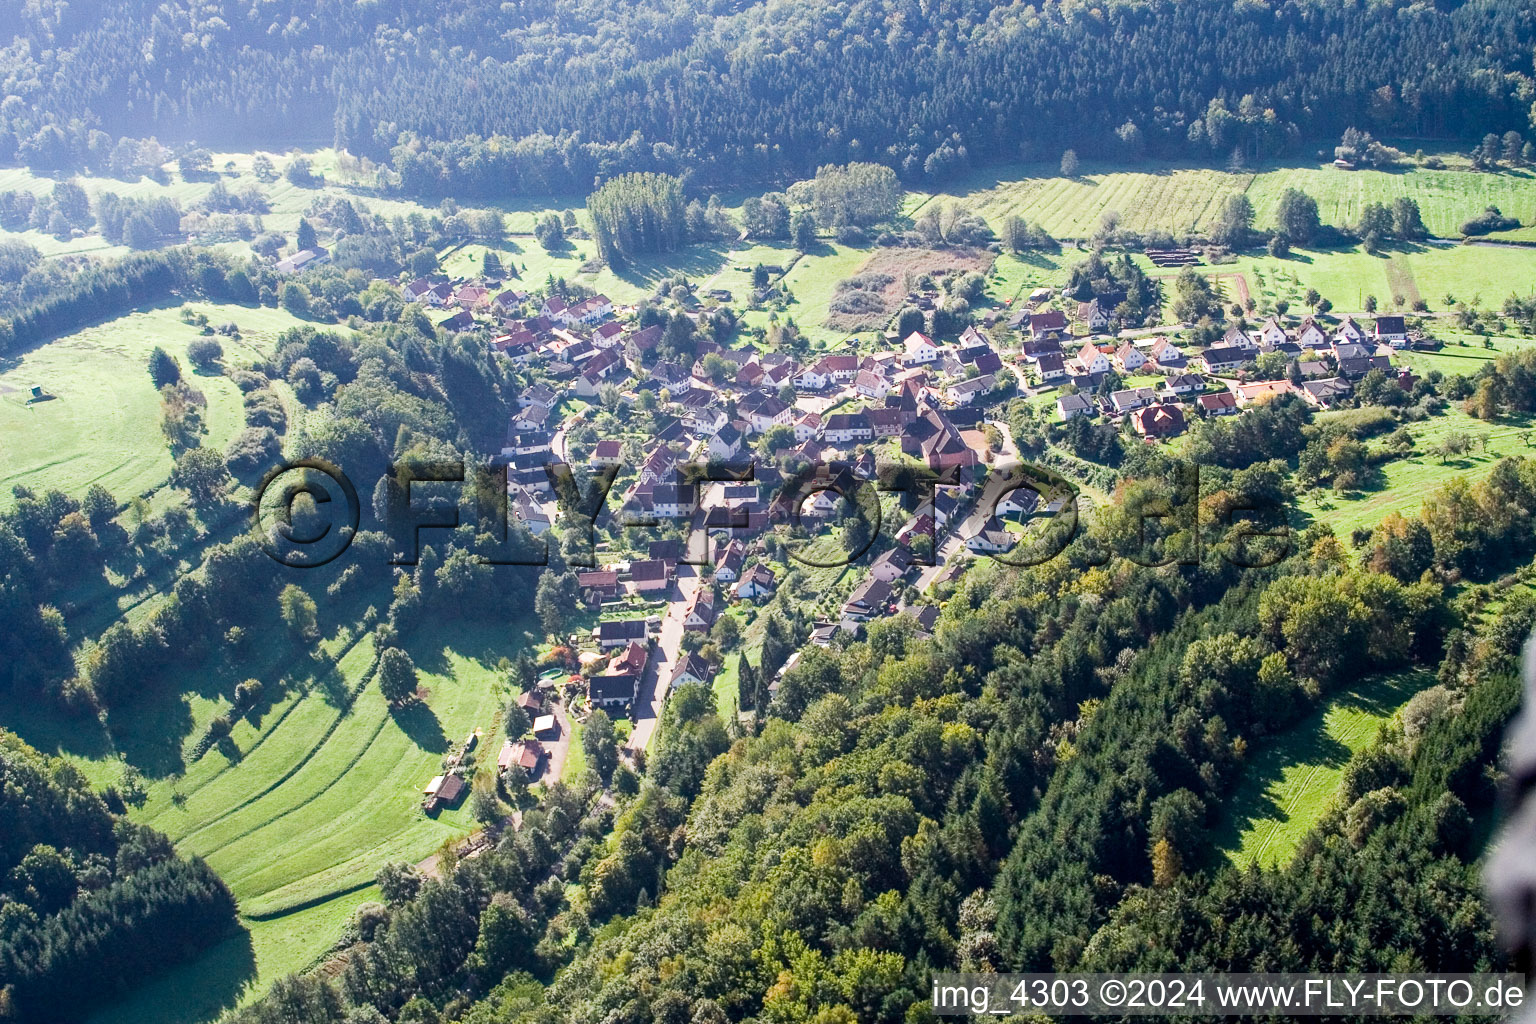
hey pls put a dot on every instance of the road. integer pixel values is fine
(954, 540)
(658, 674)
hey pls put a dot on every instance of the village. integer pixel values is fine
(678, 550)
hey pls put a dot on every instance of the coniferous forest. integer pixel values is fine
(478, 98)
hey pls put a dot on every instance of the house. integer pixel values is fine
(1343, 350)
(1262, 391)
(990, 538)
(531, 515)
(443, 791)
(1391, 330)
(1129, 358)
(303, 260)
(523, 755)
(926, 616)
(891, 566)
(530, 418)
(868, 599)
(1131, 399)
(764, 412)
(555, 308)
(546, 727)
(1092, 360)
(609, 335)
(589, 310)
(838, 369)
(811, 379)
(612, 633)
(1051, 367)
(726, 444)
(728, 568)
(871, 385)
(1349, 331)
(843, 428)
(460, 321)
(1181, 384)
(1272, 335)
(674, 501)
(602, 584)
(700, 413)
(885, 422)
(1326, 393)
(691, 668)
(1095, 314)
(1158, 421)
(639, 346)
(417, 290)
(1033, 348)
(1237, 338)
(1223, 403)
(920, 348)
(699, 616)
(536, 394)
(472, 296)
(618, 685)
(1311, 335)
(508, 300)
(807, 427)
(607, 452)
(756, 582)
(1050, 324)
(1075, 405)
(526, 442)
(650, 575)
(1021, 501)
(1168, 356)
(1224, 359)
(1309, 368)
(967, 391)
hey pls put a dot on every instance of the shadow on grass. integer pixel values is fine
(1307, 743)
(693, 261)
(201, 989)
(419, 723)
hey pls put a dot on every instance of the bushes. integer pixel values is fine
(255, 449)
(1490, 220)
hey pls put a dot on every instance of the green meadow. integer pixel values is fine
(1180, 198)
(308, 797)
(102, 423)
(1292, 778)
(1402, 485)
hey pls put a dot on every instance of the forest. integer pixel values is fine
(84, 893)
(484, 99)
(1034, 789)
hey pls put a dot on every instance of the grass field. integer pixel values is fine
(1446, 198)
(306, 800)
(1291, 779)
(1177, 198)
(1403, 484)
(288, 202)
(1161, 197)
(103, 425)
(1475, 274)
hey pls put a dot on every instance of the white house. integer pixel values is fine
(1051, 367)
(1311, 335)
(1129, 358)
(1074, 405)
(920, 348)
(1391, 330)
(726, 444)
(1092, 360)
